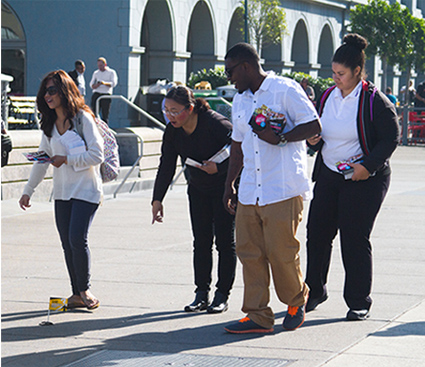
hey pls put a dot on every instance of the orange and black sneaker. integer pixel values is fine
(245, 326)
(294, 317)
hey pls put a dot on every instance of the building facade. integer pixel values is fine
(147, 40)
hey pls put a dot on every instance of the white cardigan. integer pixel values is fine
(68, 183)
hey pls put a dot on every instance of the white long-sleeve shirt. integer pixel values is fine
(108, 75)
(68, 183)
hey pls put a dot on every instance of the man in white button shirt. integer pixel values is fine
(273, 184)
(103, 82)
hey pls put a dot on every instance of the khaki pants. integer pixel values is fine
(265, 236)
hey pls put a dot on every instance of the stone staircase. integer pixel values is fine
(15, 175)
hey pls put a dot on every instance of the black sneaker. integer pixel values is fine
(245, 326)
(294, 317)
(357, 315)
(312, 303)
(199, 304)
(219, 303)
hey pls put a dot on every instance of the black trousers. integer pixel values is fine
(105, 105)
(350, 207)
(209, 219)
(73, 220)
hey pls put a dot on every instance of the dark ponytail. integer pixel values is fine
(351, 53)
(201, 105)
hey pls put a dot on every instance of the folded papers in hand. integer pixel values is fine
(73, 144)
(218, 157)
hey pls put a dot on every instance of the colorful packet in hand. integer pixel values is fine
(38, 157)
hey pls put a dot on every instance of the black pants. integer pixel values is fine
(105, 105)
(209, 218)
(350, 207)
(73, 220)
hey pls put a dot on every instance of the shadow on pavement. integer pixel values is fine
(15, 316)
(410, 328)
(175, 341)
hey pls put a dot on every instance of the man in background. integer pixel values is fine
(77, 76)
(420, 97)
(102, 83)
(390, 95)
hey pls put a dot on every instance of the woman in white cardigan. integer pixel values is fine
(77, 185)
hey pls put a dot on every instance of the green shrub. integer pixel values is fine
(216, 77)
(319, 84)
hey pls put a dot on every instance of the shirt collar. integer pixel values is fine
(264, 85)
(266, 82)
(354, 93)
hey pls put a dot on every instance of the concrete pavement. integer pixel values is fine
(142, 274)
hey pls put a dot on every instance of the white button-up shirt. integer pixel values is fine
(81, 83)
(339, 127)
(272, 173)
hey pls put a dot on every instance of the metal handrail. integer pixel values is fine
(219, 99)
(160, 124)
(136, 162)
(406, 122)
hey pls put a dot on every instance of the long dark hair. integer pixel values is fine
(70, 96)
(351, 53)
(184, 96)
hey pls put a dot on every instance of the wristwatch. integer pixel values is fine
(282, 141)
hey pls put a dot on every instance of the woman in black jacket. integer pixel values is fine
(352, 177)
(196, 133)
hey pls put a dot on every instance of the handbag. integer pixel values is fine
(6, 148)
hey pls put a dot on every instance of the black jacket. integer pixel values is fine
(212, 133)
(74, 76)
(377, 126)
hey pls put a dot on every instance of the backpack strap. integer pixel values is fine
(79, 126)
(325, 96)
(362, 112)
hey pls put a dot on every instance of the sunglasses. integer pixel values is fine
(173, 114)
(51, 91)
(229, 71)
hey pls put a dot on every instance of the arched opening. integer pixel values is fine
(326, 49)
(272, 55)
(235, 34)
(13, 49)
(300, 47)
(200, 41)
(157, 39)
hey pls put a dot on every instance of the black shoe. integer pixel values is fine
(312, 303)
(357, 315)
(199, 304)
(219, 304)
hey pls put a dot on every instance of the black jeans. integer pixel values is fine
(209, 218)
(350, 207)
(73, 220)
(105, 105)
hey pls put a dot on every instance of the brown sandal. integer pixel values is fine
(71, 304)
(94, 305)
